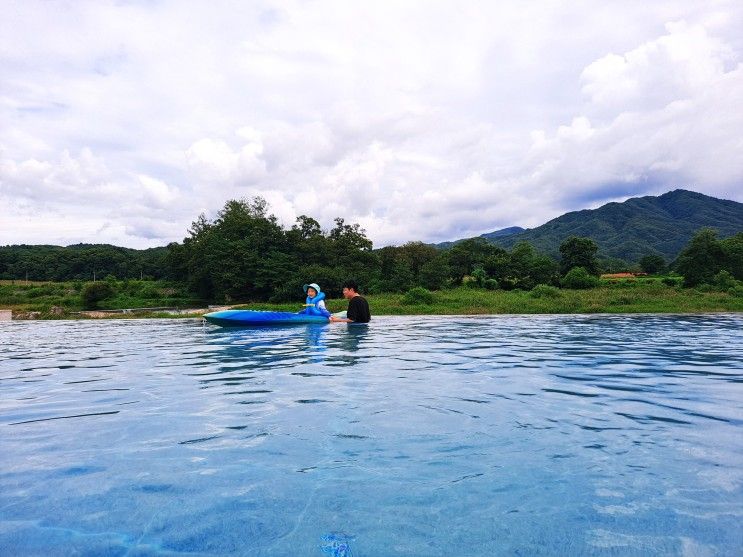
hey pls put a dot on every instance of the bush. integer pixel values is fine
(479, 275)
(736, 291)
(545, 291)
(94, 292)
(70, 302)
(652, 264)
(470, 282)
(133, 286)
(434, 275)
(374, 287)
(579, 278)
(671, 281)
(37, 292)
(416, 296)
(724, 280)
(490, 284)
(508, 284)
(150, 292)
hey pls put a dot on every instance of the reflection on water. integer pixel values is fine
(536, 435)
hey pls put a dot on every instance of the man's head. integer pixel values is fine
(350, 289)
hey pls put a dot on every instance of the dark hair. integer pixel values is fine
(351, 285)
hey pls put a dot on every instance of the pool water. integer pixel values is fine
(534, 435)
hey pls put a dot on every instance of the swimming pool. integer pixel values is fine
(524, 435)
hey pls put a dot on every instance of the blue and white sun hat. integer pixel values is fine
(312, 285)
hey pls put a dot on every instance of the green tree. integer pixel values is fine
(79, 262)
(614, 265)
(308, 243)
(94, 292)
(530, 268)
(468, 254)
(578, 252)
(544, 270)
(234, 257)
(701, 259)
(479, 277)
(498, 264)
(652, 264)
(434, 275)
(350, 249)
(244, 254)
(523, 267)
(732, 249)
(579, 278)
(417, 296)
(724, 280)
(395, 273)
(417, 254)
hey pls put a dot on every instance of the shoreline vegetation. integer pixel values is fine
(245, 258)
(159, 299)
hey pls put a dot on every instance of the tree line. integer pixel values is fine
(244, 254)
(81, 262)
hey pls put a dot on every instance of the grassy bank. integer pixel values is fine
(640, 299)
(649, 296)
(62, 300)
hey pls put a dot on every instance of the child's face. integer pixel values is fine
(311, 292)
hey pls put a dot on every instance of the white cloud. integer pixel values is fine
(156, 193)
(418, 120)
(675, 105)
(679, 64)
(215, 161)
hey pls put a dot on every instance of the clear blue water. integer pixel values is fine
(604, 435)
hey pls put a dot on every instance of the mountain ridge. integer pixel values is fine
(502, 233)
(628, 230)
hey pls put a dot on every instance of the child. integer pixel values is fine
(315, 301)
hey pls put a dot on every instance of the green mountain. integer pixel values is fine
(640, 226)
(502, 233)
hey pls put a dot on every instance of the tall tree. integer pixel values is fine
(244, 254)
(732, 249)
(417, 254)
(434, 275)
(652, 263)
(468, 254)
(701, 259)
(578, 252)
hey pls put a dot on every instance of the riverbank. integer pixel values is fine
(628, 297)
(638, 298)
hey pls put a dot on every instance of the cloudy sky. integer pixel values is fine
(121, 121)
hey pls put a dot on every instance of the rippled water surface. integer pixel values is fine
(618, 435)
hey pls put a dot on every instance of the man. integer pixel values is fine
(358, 307)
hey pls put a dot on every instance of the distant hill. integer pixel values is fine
(504, 232)
(660, 225)
(80, 262)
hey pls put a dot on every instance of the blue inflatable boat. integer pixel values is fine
(243, 317)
